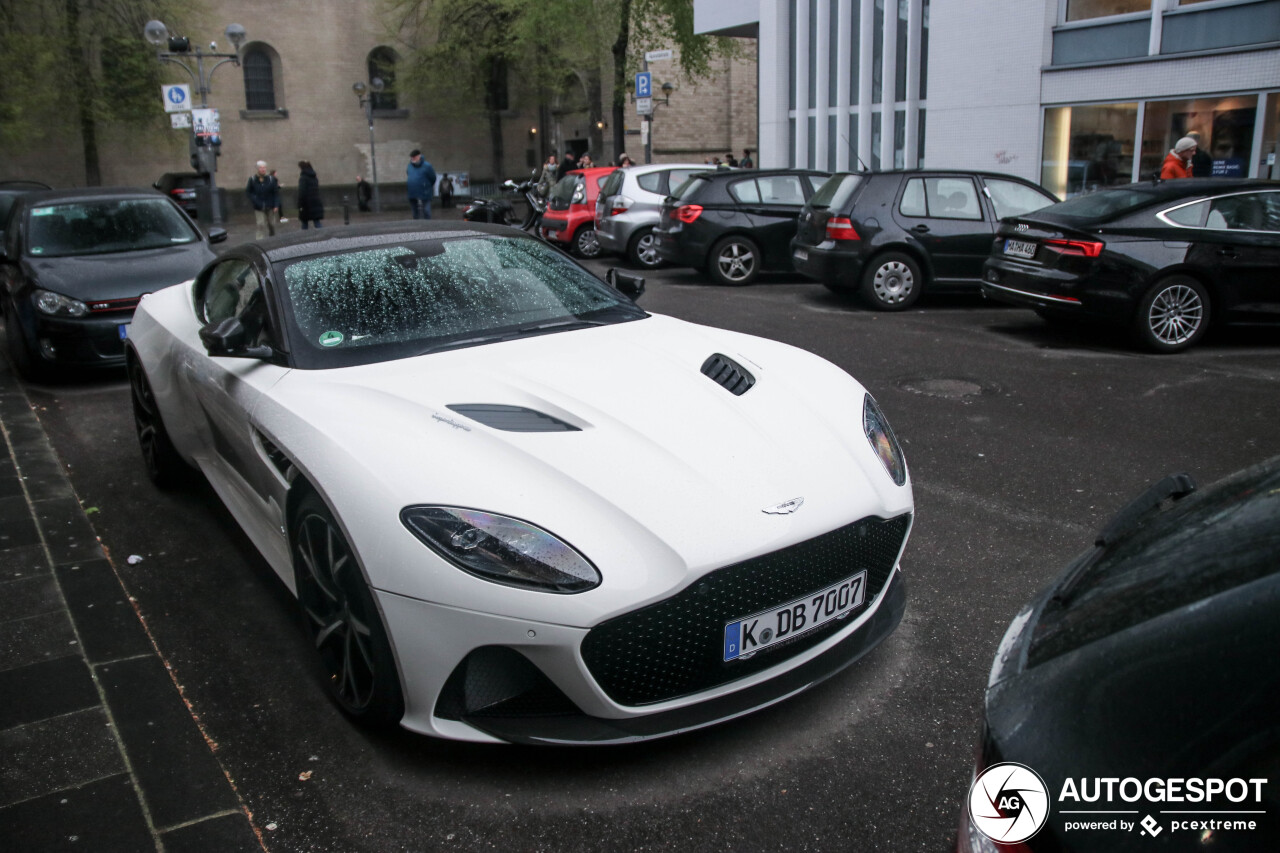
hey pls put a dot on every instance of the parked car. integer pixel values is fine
(1140, 676)
(892, 235)
(1166, 259)
(482, 570)
(734, 224)
(9, 192)
(630, 205)
(182, 188)
(570, 217)
(74, 264)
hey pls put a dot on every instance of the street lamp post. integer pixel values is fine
(665, 101)
(179, 53)
(365, 94)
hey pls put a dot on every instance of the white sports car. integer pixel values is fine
(513, 505)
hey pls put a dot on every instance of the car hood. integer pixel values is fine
(661, 457)
(118, 275)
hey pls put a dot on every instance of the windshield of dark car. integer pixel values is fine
(407, 298)
(100, 226)
(1214, 540)
(1102, 204)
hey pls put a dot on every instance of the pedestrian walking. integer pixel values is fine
(550, 174)
(1177, 163)
(625, 160)
(746, 162)
(420, 179)
(1201, 162)
(731, 160)
(364, 193)
(446, 191)
(570, 162)
(264, 194)
(310, 205)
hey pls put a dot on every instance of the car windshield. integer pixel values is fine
(408, 296)
(100, 226)
(1101, 205)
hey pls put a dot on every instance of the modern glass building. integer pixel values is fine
(1074, 94)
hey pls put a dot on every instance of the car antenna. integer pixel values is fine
(854, 151)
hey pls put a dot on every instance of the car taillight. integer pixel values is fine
(619, 204)
(1081, 248)
(687, 213)
(840, 228)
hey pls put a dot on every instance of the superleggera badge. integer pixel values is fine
(785, 508)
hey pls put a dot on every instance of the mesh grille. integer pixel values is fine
(676, 647)
(727, 373)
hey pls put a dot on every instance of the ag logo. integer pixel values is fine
(1008, 803)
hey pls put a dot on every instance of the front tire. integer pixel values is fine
(892, 282)
(1173, 316)
(343, 619)
(642, 251)
(735, 261)
(585, 243)
(165, 465)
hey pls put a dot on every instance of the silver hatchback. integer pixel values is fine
(630, 203)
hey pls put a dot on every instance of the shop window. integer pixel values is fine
(259, 63)
(1224, 125)
(1081, 10)
(1087, 147)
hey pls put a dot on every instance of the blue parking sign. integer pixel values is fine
(644, 84)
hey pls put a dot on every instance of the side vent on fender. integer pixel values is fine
(512, 418)
(727, 373)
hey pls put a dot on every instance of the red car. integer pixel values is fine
(570, 218)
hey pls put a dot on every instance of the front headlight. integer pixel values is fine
(883, 441)
(501, 549)
(55, 304)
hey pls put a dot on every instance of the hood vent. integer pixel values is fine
(512, 418)
(727, 373)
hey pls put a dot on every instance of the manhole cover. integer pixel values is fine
(950, 388)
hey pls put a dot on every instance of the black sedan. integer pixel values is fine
(74, 264)
(1166, 259)
(892, 235)
(733, 224)
(1135, 703)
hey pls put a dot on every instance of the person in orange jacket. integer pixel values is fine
(1177, 163)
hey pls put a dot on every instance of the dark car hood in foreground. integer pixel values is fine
(1160, 664)
(119, 275)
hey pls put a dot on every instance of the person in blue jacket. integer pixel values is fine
(421, 180)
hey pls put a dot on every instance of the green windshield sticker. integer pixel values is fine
(330, 339)
(42, 211)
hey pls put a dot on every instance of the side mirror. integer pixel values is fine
(628, 284)
(228, 338)
(509, 184)
(217, 235)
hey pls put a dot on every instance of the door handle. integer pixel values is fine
(921, 229)
(1228, 253)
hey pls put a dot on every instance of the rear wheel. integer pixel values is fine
(892, 282)
(1173, 316)
(343, 619)
(643, 251)
(735, 260)
(585, 244)
(164, 464)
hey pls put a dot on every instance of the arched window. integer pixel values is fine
(382, 64)
(259, 78)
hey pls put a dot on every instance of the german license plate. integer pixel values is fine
(802, 254)
(1020, 248)
(744, 637)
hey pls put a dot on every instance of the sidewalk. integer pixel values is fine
(240, 227)
(100, 751)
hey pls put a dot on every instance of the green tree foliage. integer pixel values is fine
(73, 66)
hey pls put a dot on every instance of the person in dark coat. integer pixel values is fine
(364, 192)
(1201, 162)
(310, 205)
(570, 162)
(264, 194)
(420, 183)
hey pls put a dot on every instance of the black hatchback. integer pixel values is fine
(891, 235)
(734, 224)
(1166, 259)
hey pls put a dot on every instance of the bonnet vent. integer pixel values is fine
(727, 373)
(512, 418)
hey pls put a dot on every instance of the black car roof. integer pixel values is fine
(299, 244)
(88, 193)
(741, 173)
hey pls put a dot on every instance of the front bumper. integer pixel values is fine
(77, 342)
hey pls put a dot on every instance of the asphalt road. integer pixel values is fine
(1022, 440)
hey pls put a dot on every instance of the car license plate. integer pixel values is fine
(1019, 248)
(744, 637)
(802, 254)
(124, 331)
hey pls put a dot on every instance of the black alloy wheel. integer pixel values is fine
(735, 260)
(585, 243)
(643, 251)
(1173, 316)
(892, 282)
(343, 619)
(165, 465)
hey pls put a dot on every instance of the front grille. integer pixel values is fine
(105, 306)
(676, 647)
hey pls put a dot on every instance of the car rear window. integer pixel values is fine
(1103, 204)
(690, 188)
(836, 191)
(651, 181)
(1207, 543)
(613, 185)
